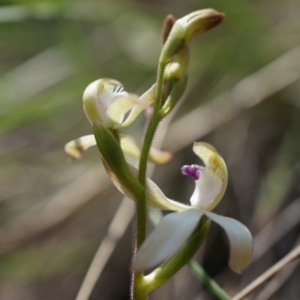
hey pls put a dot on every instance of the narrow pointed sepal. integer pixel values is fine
(131, 146)
(166, 239)
(157, 199)
(240, 240)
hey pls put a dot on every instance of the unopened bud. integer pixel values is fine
(187, 27)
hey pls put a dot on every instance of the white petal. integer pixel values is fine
(170, 234)
(98, 96)
(207, 188)
(120, 105)
(240, 240)
(146, 99)
(215, 163)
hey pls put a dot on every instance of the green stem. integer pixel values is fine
(140, 292)
(171, 266)
(146, 148)
(141, 203)
(141, 207)
(154, 121)
(207, 281)
(159, 84)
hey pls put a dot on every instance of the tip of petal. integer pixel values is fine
(73, 151)
(77, 147)
(240, 241)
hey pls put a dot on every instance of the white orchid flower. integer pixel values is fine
(175, 229)
(106, 101)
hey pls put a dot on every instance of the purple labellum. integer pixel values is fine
(192, 170)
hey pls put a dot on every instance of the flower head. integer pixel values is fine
(106, 101)
(210, 186)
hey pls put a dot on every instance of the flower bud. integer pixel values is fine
(186, 28)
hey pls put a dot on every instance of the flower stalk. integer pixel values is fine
(171, 266)
(141, 203)
(207, 281)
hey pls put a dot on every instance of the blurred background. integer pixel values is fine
(243, 97)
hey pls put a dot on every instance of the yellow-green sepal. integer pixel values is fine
(132, 147)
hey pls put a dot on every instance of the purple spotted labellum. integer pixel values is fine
(208, 184)
(191, 170)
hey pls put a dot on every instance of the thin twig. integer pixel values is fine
(117, 227)
(269, 273)
(276, 229)
(277, 281)
(207, 281)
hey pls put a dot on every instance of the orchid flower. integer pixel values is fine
(175, 229)
(106, 101)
